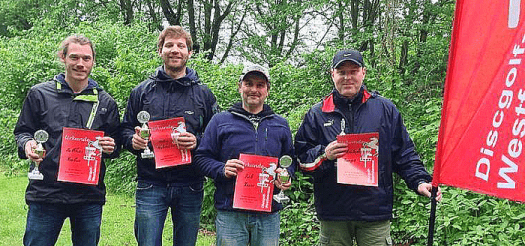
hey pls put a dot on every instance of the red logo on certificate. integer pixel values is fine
(254, 184)
(80, 156)
(359, 165)
(163, 138)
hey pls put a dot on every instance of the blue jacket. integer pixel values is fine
(231, 133)
(366, 113)
(50, 106)
(163, 98)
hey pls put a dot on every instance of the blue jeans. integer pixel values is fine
(153, 202)
(45, 220)
(238, 228)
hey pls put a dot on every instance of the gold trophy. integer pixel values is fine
(145, 133)
(41, 137)
(285, 161)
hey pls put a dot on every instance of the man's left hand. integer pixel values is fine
(425, 190)
(107, 144)
(280, 185)
(186, 140)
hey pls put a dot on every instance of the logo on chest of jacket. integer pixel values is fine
(329, 123)
(189, 112)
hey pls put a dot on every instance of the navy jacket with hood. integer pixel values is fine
(368, 112)
(233, 132)
(164, 98)
(50, 106)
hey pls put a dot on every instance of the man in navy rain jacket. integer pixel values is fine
(173, 91)
(352, 212)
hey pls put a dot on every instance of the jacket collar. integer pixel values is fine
(64, 86)
(329, 106)
(190, 78)
(237, 108)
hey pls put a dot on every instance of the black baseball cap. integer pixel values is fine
(347, 55)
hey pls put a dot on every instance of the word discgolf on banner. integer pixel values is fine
(480, 144)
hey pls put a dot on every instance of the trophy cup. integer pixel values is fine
(285, 161)
(41, 136)
(145, 133)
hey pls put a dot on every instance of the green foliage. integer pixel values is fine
(208, 212)
(126, 55)
(222, 80)
(121, 173)
(299, 225)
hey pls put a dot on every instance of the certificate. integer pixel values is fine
(254, 184)
(358, 166)
(80, 156)
(163, 138)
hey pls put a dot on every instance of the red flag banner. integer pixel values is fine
(482, 134)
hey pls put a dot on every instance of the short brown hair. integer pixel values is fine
(176, 32)
(77, 39)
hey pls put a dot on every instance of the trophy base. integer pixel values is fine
(147, 155)
(35, 176)
(281, 199)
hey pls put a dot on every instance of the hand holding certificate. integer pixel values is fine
(166, 136)
(254, 185)
(80, 156)
(358, 166)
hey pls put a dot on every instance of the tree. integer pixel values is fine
(273, 31)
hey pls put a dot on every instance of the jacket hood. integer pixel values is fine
(237, 108)
(190, 78)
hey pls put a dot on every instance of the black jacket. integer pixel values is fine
(50, 106)
(163, 98)
(368, 113)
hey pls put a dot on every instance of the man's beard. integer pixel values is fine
(178, 68)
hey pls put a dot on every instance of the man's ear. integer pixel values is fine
(61, 56)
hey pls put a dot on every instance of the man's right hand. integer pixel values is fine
(30, 153)
(137, 142)
(232, 167)
(335, 150)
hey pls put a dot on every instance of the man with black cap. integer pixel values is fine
(354, 212)
(248, 127)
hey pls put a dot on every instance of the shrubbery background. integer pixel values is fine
(126, 55)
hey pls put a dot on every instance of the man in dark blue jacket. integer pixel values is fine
(249, 127)
(72, 100)
(349, 212)
(173, 91)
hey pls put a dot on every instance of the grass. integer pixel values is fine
(117, 218)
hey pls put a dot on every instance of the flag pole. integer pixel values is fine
(439, 148)
(432, 220)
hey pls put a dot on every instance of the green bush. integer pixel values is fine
(126, 55)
